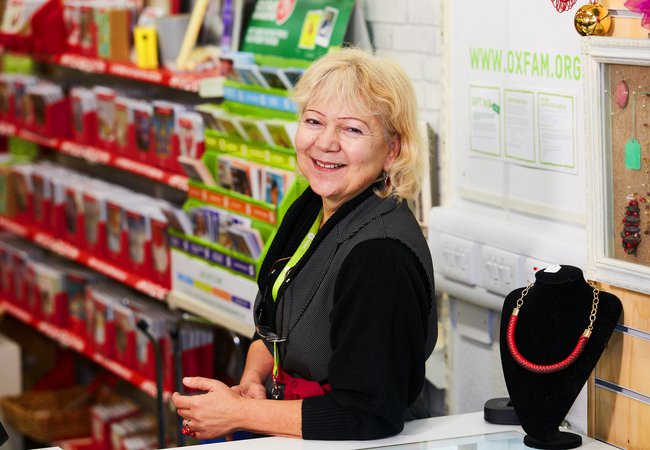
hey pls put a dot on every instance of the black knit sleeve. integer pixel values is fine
(378, 335)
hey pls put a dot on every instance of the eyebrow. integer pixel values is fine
(340, 118)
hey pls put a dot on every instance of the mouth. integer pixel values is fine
(328, 166)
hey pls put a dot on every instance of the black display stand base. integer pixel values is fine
(500, 411)
(562, 440)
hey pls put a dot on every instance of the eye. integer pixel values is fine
(353, 130)
(312, 121)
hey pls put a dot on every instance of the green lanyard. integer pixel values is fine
(300, 251)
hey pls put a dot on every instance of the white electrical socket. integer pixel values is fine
(500, 270)
(531, 266)
(459, 259)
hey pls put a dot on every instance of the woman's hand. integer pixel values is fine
(211, 414)
(250, 390)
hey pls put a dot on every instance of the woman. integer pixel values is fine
(345, 313)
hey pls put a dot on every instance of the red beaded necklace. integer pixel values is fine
(556, 367)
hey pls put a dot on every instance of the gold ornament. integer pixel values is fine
(592, 19)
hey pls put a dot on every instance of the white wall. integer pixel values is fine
(411, 32)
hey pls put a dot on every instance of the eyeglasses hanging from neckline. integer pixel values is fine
(267, 310)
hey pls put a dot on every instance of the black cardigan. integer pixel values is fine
(377, 366)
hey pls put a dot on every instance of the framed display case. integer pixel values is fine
(617, 116)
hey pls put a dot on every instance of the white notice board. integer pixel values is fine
(514, 100)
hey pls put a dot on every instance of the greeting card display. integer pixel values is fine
(105, 98)
(142, 134)
(191, 137)
(94, 217)
(21, 180)
(123, 119)
(45, 109)
(165, 117)
(84, 115)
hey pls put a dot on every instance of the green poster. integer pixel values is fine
(302, 29)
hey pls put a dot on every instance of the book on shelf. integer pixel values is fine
(196, 170)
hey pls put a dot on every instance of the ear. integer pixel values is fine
(394, 147)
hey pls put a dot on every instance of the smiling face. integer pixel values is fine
(341, 151)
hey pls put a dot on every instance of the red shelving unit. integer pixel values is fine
(74, 253)
(76, 343)
(96, 155)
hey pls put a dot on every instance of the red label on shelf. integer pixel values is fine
(82, 63)
(7, 129)
(152, 289)
(91, 154)
(19, 313)
(139, 168)
(107, 269)
(38, 138)
(62, 336)
(13, 227)
(124, 70)
(178, 181)
(57, 245)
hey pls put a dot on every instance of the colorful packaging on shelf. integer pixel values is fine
(123, 119)
(283, 132)
(102, 416)
(75, 284)
(94, 217)
(105, 98)
(209, 112)
(165, 134)
(160, 255)
(6, 97)
(100, 318)
(141, 131)
(132, 427)
(59, 179)
(84, 115)
(73, 230)
(191, 136)
(72, 22)
(138, 225)
(18, 95)
(41, 199)
(125, 333)
(46, 109)
(21, 181)
(116, 228)
(18, 255)
(48, 294)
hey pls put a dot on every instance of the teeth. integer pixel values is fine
(328, 166)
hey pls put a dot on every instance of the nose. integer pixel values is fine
(328, 139)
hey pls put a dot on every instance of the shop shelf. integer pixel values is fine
(78, 344)
(74, 253)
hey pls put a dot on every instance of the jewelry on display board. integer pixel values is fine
(621, 94)
(631, 234)
(592, 19)
(556, 367)
(563, 5)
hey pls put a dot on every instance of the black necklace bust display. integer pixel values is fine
(543, 374)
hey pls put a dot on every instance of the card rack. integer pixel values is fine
(227, 294)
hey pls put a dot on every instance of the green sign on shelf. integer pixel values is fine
(304, 29)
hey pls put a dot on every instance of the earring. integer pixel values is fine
(631, 234)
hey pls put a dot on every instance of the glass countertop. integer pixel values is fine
(509, 440)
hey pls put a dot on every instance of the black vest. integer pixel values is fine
(309, 295)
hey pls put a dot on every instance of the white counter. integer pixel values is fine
(434, 429)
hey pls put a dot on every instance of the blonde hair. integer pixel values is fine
(373, 85)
